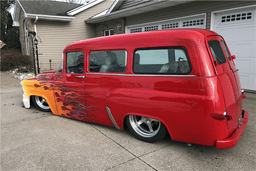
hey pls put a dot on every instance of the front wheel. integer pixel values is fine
(145, 129)
(41, 103)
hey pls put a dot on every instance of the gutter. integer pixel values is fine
(50, 17)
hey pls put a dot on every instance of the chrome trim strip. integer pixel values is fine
(141, 75)
(111, 118)
(236, 70)
(42, 76)
(225, 115)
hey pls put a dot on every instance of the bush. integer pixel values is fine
(13, 58)
(12, 39)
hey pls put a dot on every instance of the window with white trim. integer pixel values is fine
(151, 28)
(134, 30)
(190, 23)
(236, 17)
(170, 26)
(108, 32)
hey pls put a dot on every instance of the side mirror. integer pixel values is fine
(233, 57)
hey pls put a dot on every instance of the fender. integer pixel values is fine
(30, 89)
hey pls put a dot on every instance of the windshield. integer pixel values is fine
(61, 64)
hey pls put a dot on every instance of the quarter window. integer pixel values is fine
(217, 52)
(75, 62)
(226, 49)
(108, 61)
(161, 61)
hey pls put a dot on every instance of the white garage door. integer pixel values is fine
(195, 21)
(238, 27)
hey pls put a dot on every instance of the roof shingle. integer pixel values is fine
(48, 7)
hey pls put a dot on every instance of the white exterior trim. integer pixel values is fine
(213, 14)
(112, 6)
(127, 28)
(50, 17)
(83, 7)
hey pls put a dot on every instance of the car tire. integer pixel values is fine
(41, 103)
(146, 129)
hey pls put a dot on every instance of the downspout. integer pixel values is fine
(37, 60)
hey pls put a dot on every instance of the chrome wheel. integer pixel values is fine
(144, 126)
(42, 103)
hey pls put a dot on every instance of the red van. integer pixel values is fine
(183, 82)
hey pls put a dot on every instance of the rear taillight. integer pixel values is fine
(243, 95)
(219, 114)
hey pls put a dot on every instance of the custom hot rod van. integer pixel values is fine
(182, 82)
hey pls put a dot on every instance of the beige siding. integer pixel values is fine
(56, 35)
(191, 8)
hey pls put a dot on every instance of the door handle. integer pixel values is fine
(80, 76)
(236, 70)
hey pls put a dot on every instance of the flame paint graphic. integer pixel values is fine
(70, 103)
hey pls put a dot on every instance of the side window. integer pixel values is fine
(108, 32)
(226, 49)
(108, 61)
(161, 61)
(75, 62)
(217, 52)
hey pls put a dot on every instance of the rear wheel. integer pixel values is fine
(145, 129)
(41, 103)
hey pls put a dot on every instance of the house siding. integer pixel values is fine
(187, 9)
(130, 3)
(54, 36)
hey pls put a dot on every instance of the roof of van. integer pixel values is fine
(133, 38)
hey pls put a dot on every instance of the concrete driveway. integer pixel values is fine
(35, 140)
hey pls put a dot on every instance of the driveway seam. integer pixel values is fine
(26, 120)
(125, 150)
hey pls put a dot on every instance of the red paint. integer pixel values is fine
(190, 107)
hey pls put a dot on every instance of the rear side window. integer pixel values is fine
(161, 61)
(108, 61)
(217, 52)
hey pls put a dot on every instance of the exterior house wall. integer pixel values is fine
(112, 24)
(56, 35)
(129, 3)
(187, 9)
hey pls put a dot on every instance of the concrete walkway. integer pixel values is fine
(35, 140)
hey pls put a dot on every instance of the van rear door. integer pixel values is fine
(227, 79)
(232, 65)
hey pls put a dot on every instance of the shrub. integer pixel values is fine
(13, 58)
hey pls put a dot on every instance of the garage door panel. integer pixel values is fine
(238, 27)
(244, 49)
(244, 79)
(245, 33)
(245, 65)
(228, 32)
